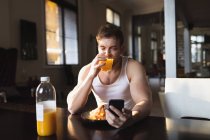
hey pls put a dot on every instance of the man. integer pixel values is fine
(126, 80)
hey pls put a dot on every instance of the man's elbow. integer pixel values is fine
(72, 110)
(144, 107)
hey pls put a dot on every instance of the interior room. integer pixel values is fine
(44, 41)
(26, 25)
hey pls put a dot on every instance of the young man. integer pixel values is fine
(126, 80)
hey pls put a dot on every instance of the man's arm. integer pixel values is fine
(141, 95)
(77, 98)
(140, 91)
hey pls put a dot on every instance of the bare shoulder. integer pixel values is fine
(134, 65)
(83, 72)
(135, 68)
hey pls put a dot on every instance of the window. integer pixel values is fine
(137, 43)
(112, 17)
(154, 47)
(61, 33)
(196, 48)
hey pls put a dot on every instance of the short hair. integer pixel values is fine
(110, 30)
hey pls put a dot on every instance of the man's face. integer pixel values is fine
(110, 47)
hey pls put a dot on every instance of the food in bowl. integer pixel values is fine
(98, 113)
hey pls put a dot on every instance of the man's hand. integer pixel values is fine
(95, 66)
(121, 118)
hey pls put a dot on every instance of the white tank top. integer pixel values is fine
(120, 89)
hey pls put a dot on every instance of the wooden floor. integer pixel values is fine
(155, 84)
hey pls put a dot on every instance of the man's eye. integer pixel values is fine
(115, 48)
(102, 49)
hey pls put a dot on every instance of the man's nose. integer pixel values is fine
(107, 52)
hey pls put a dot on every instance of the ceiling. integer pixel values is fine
(194, 12)
(136, 6)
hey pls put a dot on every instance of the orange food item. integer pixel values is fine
(108, 65)
(98, 113)
(48, 125)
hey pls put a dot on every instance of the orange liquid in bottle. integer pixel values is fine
(108, 65)
(48, 125)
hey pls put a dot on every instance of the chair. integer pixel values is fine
(8, 64)
(186, 98)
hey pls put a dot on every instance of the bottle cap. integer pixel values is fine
(45, 78)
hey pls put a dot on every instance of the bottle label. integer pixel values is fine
(42, 106)
(39, 112)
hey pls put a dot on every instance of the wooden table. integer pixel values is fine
(15, 125)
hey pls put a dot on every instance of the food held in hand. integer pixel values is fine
(108, 65)
(98, 113)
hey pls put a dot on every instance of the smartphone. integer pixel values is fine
(117, 103)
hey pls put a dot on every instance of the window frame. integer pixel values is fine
(137, 39)
(197, 45)
(113, 13)
(64, 5)
(154, 46)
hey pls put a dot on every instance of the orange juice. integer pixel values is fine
(48, 125)
(108, 65)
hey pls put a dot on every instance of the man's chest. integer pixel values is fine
(108, 78)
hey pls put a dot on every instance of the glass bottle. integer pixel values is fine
(46, 107)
